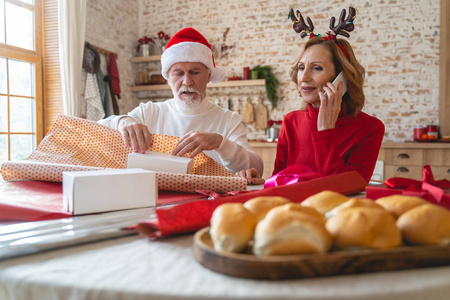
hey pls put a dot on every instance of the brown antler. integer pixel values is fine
(345, 25)
(300, 25)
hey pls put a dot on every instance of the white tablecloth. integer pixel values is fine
(139, 268)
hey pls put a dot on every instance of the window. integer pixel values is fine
(20, 78)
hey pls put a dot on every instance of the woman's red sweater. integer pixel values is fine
(353, 144)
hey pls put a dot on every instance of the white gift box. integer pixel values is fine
(87, 192)
(160, 162)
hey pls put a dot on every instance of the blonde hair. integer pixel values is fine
(353, 100)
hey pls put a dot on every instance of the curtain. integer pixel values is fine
(72, 24)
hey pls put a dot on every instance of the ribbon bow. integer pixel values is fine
(290, 175)
(428, 186)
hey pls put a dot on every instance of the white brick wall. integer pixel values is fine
(397, 41)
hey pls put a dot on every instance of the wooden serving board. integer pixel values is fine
(315, 265)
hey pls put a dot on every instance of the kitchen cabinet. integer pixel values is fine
(157, 58)
(400, 159)
(267, 151)
(407, 159)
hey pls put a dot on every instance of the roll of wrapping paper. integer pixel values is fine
(78, 142)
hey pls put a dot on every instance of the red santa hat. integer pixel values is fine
(188, 45)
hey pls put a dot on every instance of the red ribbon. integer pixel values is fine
(428, 186)
(290, 175)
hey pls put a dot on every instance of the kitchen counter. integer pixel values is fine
(267, 151)
(407, 159)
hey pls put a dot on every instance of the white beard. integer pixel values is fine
(188, 102)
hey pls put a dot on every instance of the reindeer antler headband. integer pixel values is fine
(343, 27)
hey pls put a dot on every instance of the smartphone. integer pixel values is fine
(336, 81)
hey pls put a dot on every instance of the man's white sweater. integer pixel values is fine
(235, 153)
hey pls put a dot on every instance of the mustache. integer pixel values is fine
(187, 89)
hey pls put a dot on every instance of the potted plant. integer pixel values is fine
(143, 47)
(265, 72)
(162, 40)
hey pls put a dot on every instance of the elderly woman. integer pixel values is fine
(330, 134)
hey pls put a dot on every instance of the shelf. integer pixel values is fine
(233, 83)
(156, 87)
(141, 59)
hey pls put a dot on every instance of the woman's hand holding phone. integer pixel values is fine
(330, 103)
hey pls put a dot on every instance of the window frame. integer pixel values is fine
(444, 70)
(31, 56)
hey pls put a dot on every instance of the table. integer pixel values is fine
(134, 267)
(139, 268)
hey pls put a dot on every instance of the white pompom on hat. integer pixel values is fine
(188, 45)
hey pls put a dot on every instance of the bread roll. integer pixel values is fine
(426, 224)
(324, 201)
(363, 226)
(304, 209)
(399, 204)
(354, 202)
(260, 206)
(232, 227)
(284, 232)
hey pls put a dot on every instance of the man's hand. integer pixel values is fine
(197, 142)
(135, 135)
(252, 176)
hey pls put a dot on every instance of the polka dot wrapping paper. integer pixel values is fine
(190, 183)
(77, 141)
(41, 171)
(202, 164)
(75, 144)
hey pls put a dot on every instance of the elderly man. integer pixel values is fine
(188, 65)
